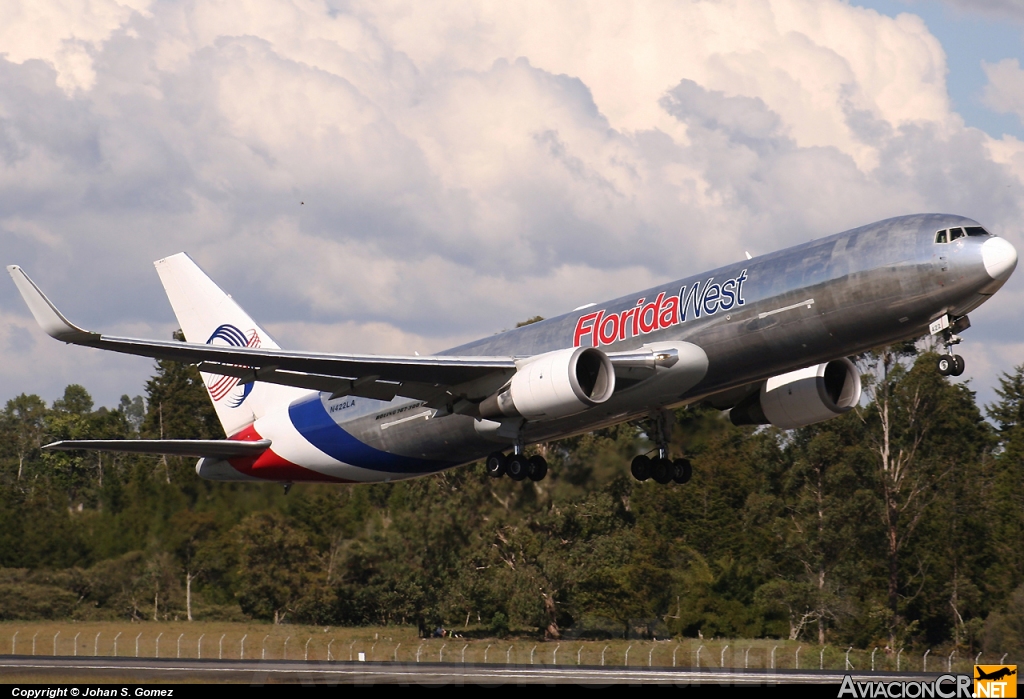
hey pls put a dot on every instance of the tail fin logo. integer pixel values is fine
(227, 387)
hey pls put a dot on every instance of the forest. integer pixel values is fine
(898, 524)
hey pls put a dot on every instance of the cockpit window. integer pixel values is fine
(948, 235)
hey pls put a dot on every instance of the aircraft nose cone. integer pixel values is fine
(1000, 258)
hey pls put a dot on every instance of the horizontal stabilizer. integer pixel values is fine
(220, 448)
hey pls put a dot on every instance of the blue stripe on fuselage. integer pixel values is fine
(316, 425)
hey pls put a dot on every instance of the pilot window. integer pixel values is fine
(950, 234)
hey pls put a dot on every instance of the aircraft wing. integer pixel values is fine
(438, 379)
(222, 448)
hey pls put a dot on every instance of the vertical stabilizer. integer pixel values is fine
(208, 315)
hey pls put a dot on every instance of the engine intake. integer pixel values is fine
(553, 385)
(802, 397)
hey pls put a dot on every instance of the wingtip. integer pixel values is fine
(46, 314)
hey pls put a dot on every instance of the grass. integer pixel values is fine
(254, 641)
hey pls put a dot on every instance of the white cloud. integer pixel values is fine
(400, 176)
(1005, 89)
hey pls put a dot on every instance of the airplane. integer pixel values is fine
(766, 338)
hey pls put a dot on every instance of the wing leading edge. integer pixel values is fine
(437, 379)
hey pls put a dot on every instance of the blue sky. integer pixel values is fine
(970, 33)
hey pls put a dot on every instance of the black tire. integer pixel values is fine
(960, 365)
(495, 464)
(946, 365)
(538, 468)
(517, 467)
(682, 471)
(662, 471)
(641, 468)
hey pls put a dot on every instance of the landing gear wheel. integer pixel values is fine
(947, 365)
(517, 467)
(641, 468)
(662, 471)
(960, 365)
(538, 468)
(682, 471)
(495, 464)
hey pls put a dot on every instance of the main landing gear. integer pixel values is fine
(516, 466)
(662, 469)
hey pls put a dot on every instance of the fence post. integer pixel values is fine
(220, 647)
(578, 654)
(485, 652)
(158, 643)
(14, 642)
(96, 644)
(924, 662)
(698, 654)
(508, 654)
(873, 651)
(241, 647)
(305, 653)
(554, 654)
(773, 657)
(949, 662)
(115, 642)
(602, 654)
(396, 651)
(417, 652)
(76, 643)
(332, 643)
(977, 658)
(34, 643)
(286, 639)
(55, 642)
(353, 643)
(821, 658)
(263, 647)
(1003, 658)
(463, 653)
(898, 659)
(650, 656)
(746, 658)
(796, 665)
(137, 644)
(178, 652)
(199, 647)
(848, 666)
(722, 659)
(531, 654)
(371, 650)
(626, 663)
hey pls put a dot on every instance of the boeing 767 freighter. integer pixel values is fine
(766, 338)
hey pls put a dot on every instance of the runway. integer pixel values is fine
(257, 673)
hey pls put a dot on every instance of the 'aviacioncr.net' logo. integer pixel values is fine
(995, 680)
(221, 387)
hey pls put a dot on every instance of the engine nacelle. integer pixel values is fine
(802, 397)
(553, 385)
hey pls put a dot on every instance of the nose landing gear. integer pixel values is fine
(950, 364)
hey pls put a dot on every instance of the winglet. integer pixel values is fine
(46, 314)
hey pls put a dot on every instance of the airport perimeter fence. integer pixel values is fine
(319, 645)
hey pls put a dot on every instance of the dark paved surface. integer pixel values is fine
(256, 672)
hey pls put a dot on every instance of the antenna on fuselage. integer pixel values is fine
(747, 254)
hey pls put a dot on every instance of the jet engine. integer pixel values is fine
(554, 384)
(802, 397)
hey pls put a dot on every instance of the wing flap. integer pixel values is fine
(220, 448)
